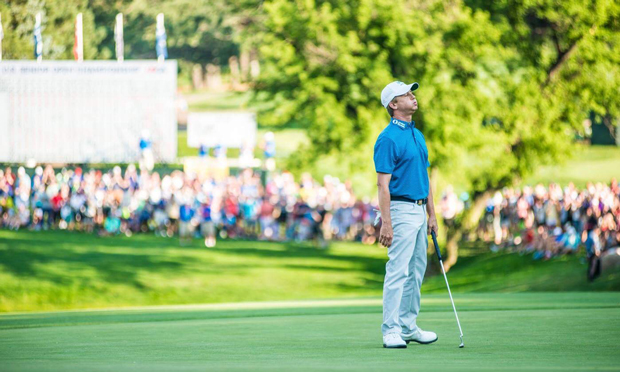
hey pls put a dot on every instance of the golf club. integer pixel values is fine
(447, 285)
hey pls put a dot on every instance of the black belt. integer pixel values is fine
(408, 200)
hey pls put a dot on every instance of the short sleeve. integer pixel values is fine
(385, 155)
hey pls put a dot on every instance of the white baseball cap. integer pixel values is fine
(394, 89)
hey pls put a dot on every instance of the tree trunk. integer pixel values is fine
(470, 220)
(564, 56)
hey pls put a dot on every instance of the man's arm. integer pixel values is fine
(430, 209)
(386, 234)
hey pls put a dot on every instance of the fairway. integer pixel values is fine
(544, 331)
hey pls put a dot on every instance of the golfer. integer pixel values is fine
(405, 199)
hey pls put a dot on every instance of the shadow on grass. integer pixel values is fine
(121, 260)
(88, 252)
(370, 265)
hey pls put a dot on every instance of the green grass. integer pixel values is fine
(57, 270)
(588, 164)
(63, 270)
(212, 101)
(513, 272)
(503, 332)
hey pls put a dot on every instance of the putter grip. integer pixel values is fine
(434, 236)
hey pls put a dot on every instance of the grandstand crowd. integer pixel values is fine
(239, 206)
(548, 221)
(544, 220)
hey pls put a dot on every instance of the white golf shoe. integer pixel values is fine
(394, 341)
(420, 336)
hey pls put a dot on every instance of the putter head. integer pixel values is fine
(462, 345)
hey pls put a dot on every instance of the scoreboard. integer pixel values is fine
(93, 111)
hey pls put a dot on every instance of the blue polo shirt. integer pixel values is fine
(401, 151)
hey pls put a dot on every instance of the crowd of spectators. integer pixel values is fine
(182, 204)
(548, 221)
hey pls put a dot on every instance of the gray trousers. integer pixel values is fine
(405, 268)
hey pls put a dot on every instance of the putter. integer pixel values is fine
(462, 345)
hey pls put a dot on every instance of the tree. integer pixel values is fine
(493, 103)
(57, 24)
(567, 53)
(198, 32)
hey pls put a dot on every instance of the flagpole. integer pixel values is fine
(38, 39)
(78, 47)
(118, 38)
(160, 39)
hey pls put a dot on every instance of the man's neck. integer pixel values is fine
(402, 117)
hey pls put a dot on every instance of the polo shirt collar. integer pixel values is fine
(402, 124)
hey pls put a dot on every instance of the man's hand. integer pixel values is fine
(386, 234)
(432, 225)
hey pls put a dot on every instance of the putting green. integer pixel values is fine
(527, 331)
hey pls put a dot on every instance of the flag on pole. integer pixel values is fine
(38, 39)
(160, 36)
(78, 45)
(118, 38)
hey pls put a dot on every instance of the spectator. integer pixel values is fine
(548, 220)
(554, 220)
(207, 227)
(186, 213)
(450, 206)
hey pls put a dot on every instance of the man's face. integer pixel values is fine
(407, 103)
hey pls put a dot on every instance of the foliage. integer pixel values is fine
(504, 85)
(197, 32)
(57, 25)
